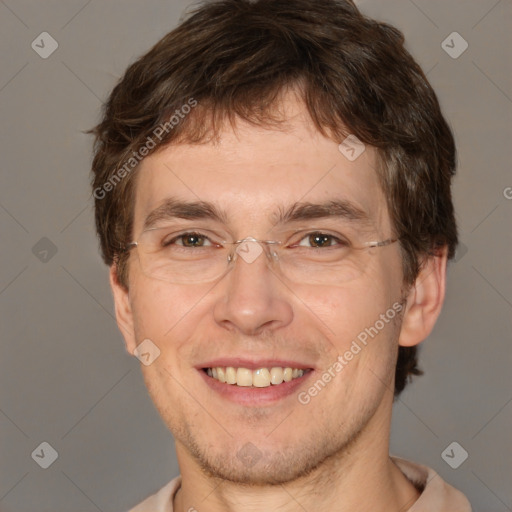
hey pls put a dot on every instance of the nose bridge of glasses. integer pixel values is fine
(250, 248)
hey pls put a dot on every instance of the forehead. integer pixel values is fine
(253, 173)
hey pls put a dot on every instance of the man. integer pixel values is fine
(272, 185)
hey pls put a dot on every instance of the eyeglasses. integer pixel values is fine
(198, 255)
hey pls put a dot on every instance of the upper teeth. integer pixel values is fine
(260, 378)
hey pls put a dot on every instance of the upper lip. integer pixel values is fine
(253, 364)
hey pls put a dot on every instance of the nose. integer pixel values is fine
(253, 298)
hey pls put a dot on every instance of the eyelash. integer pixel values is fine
(339, 241)
(183, 235)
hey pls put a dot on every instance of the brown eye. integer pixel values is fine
(319, 240)
(187, 240)
(192, 240)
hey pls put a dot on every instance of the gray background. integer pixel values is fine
(65, 377)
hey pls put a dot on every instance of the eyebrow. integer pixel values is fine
(173, 208)
(338, 208)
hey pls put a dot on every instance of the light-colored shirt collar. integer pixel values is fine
(436, 494)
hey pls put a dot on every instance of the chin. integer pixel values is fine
(244, 464)
(271, 469)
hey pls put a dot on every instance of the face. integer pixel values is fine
(254, 317)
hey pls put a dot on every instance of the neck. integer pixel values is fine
(360, 477)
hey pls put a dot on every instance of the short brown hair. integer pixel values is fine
(235, 58)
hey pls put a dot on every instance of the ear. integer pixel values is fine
(123, 310)
(425, 300)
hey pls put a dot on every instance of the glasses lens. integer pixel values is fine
(307, 257)
(191, 256)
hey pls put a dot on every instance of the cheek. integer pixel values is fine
(345, 311)
(158, 307)
(162, 313)
(357, 331)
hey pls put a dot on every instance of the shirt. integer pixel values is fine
(436, 495)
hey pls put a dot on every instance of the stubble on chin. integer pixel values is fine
(243, 463)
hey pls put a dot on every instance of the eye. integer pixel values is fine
(188, 240)
(318, 240)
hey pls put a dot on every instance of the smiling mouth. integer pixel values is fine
(260, 378)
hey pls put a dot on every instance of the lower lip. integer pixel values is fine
(245, 395)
